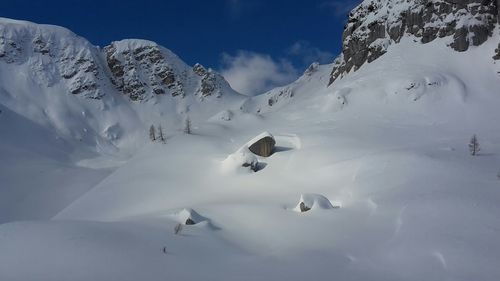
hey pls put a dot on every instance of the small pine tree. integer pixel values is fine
(187, 125)
(474, 146)
(161, 137)
(152, 133)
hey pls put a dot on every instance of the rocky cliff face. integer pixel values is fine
(497, 53)
(138, 69)
(376, 24)
(211, 82)
(102, 97)
(52, 58)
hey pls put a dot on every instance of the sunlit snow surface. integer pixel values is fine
(388, 144)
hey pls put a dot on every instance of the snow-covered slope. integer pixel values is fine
(64, 100)
(315, 78)
(382, 153)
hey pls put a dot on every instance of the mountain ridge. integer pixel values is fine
(18, 38)
(374, 25)
(100, 96)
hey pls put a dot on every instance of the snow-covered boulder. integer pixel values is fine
(497, 53)
(245, 158)
(226, 115)
(242, 160)
(310, 201)
(262, 145)
(189, 217)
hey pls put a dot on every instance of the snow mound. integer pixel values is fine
(243, 161)
(226, 115)
(259, 137)
(311, 201)
(262, 145)
(245, 158)
(189, 216)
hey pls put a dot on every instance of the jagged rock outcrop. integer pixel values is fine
(211, 82)
(9, 50)
(276, 96)
(497, 53)
(498, 11)
(375, 24)
(138, 69)
(141, 69)
(73, 60)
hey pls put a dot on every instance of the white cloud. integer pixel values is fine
(253, 73)
(309, 54)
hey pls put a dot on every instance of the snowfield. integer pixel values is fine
(381, 155)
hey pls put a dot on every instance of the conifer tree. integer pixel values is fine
(152, 133)
(161, 137)
(474, 146)
(187, 125)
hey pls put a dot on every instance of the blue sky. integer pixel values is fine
(275, 40)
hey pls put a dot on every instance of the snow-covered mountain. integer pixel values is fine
(371, 176)
(101, 96)
(374, 25)
(63, 99)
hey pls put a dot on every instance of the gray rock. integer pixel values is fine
(480, 34)
(281, 94)
(199, 69)
(254, 165)
(211, 82)
(208, 84)
(497, 53)
(303, 207)
(429, 34)
(263, 147)
(40, 46)
(498, 11)
(461, 40)
(129, 66)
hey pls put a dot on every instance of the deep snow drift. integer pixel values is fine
(387, 144)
